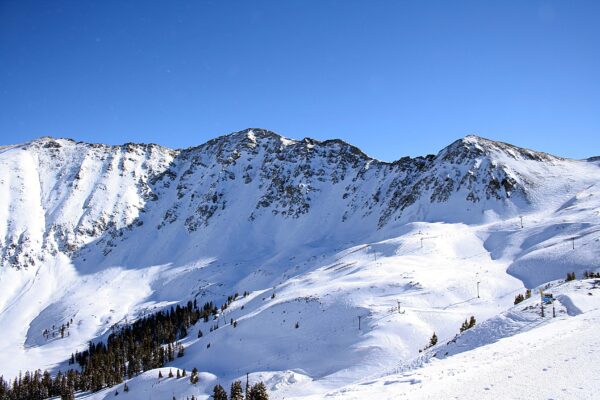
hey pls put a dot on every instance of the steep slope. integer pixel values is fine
(61, 195)
(100, 235)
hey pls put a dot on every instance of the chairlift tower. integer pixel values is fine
(399, 308)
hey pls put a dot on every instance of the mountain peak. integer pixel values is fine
(473, 146)
(255, 133)
(248, 137)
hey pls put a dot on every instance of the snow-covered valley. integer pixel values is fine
(350, 264)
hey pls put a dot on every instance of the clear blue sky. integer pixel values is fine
(392, 77)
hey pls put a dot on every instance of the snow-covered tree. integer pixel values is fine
(219, 393)
(236, 393)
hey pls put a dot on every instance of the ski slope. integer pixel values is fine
(518, 355)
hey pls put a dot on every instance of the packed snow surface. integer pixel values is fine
(518, 355)
(350, 263)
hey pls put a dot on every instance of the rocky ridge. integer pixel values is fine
(92, 193)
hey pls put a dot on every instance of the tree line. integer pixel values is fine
(258, 391)
(149, 342)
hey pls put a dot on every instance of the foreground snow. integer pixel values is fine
(149, 387)
(545, 358)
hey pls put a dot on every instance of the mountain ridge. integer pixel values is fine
(287, 178)
(467, 141)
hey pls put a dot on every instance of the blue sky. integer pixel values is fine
(392, 77)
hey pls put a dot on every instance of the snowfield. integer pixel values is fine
(517, 355)
(351, 265)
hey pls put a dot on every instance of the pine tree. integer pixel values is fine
(519, 298)
(433, 340)
(236, 392)
(472, 322)
(468, 324)
(259, 392)
(170, 373)
(126, 388)
(170, 352)
(219, 393)
(160, 375)
(178, 374)
(68, 394)
(194, 377)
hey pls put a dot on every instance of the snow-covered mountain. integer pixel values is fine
(103, 234)
(64, 196)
